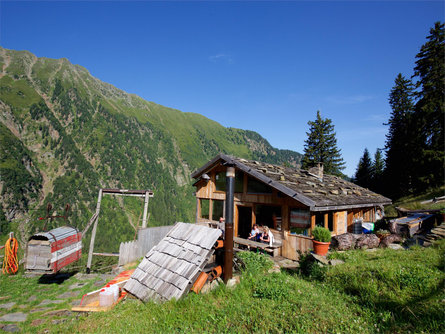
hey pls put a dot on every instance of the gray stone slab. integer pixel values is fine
(39, 309)
(32, 298)
(68, 294)
(14, 317)
(7, 306)
(47, 302)
(335, 262)
(76, 286)
(11, 328)
(395, 247)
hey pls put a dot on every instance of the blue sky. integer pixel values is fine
(262, 66)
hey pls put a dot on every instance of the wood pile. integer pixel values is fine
(435, 234)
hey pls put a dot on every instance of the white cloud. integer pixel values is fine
(221, 57)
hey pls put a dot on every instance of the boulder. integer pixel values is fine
(365, 241)
(390, 239)
(344, 241)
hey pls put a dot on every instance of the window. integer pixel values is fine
(300, 221)
(239, 181)
(257, 187)
(205, 208)
(218, 209)
(220, 181)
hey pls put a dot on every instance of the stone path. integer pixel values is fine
(7, 306)
(14, 317)
(46, 311)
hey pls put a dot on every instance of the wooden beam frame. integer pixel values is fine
(118, 192)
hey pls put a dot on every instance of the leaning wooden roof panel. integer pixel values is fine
(170, 268)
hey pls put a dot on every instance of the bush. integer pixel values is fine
(321, 234)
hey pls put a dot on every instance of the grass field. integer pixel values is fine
(385, 291)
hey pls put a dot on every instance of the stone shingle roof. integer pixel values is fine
(171, 267)
(328, 193)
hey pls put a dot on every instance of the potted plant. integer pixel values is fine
(321, 240)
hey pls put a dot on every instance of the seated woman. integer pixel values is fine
(267, 236)
(255, 233)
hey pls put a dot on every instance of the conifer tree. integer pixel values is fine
(363, 174)
(378, 168)
(400, 149)
(321, 146)
(430, 108)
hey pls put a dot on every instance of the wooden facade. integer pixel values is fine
(262, 200)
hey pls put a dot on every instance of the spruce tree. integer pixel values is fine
(430, 108)
(363, 174)
(378, 168)
(321, 146)
(400, 149)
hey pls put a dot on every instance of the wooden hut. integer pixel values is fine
(290, 201)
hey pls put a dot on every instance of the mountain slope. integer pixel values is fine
(64, 134)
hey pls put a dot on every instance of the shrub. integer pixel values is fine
(321, 234)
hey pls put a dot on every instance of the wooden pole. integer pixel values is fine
(144, 218)
(228, 242)
(93, 234)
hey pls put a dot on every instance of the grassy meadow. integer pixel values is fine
(384, 291)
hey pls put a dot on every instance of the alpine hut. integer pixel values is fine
(290, 201)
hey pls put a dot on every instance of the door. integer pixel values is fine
(244, 221)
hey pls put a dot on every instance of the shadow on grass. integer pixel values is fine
(57, 278)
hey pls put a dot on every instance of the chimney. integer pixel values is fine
(317, 171)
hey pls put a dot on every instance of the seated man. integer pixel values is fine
(255, 233)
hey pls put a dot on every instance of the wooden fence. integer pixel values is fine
(147, 238)
(294, 243)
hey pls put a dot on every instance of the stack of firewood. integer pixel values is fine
(435, 234)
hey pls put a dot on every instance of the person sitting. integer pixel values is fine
(267, 236)
(255, 233)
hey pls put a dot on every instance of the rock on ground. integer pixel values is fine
(14, 317)
(7, 306)
(390, 239)
(367, 241)
(344, 241)
(10, 328)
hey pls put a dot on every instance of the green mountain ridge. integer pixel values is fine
(64, 134)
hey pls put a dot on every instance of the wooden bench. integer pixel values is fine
(274, 249)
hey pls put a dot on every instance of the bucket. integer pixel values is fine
(106, 297)
(357, 228)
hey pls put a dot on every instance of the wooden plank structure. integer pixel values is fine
(289, 200)
(412, 224)
(90, 301)
(146, 194)
(48, 252)
(172, 266)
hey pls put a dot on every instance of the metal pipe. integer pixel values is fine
(228, 243)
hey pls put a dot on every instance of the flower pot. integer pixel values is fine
(321, 248)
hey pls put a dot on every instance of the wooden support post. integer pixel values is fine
(211, 211)
(198, 213)
(312, 222)
(334, 222)
(326, 220)
(228, 242)
(93, 234)
(144, 218)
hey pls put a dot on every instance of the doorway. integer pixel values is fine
(244, 221)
